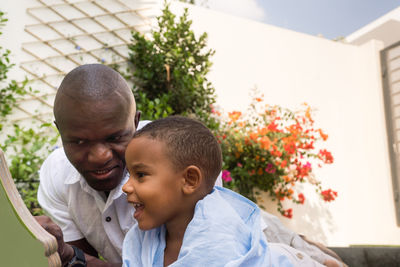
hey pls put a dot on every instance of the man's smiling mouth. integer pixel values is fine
(103, 174)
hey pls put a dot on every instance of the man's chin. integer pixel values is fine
(105, 183)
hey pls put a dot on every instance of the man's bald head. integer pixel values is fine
(93, 83)
(96, 116)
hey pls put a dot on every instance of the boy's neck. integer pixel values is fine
(175, 231)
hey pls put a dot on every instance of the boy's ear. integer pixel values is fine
(193, 179)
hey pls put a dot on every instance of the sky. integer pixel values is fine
(329, 18)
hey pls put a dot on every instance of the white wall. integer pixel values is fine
(341, 81)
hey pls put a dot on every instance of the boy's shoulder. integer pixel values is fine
(238, 204)
(224, 211)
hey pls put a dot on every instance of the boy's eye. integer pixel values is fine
(140, 175)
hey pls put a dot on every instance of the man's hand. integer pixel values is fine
(333, 263)
(65, 251)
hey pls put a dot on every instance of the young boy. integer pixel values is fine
(182, 219)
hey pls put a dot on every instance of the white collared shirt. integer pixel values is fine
(81, 211)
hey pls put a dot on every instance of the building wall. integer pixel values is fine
(386, 29)
(341, 81)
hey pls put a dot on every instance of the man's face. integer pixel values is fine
(95, 136)
(154, 186)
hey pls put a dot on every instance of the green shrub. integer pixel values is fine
(172, 66)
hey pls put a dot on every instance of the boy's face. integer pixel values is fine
(154, 186)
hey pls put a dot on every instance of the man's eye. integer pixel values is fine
(115, 138)
(79, 142)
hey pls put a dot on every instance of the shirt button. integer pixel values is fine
(108, 219)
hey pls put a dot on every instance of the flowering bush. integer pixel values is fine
(272, 149)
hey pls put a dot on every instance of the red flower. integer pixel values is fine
(290, 148)
(270, 168)
(273, 127)
(275, 152)
(329, 195)
(303, 171)
(301, 198)
(326, 156)
(288, 213)
(226, 176)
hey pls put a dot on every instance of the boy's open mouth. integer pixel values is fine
(138, 209)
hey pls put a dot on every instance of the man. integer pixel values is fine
(80, 184)
(80, 188)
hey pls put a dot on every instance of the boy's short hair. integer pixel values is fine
(188, 142)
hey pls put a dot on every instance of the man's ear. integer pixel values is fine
(137, 118)
(193, 179)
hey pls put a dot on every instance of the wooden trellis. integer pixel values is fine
(67, 33)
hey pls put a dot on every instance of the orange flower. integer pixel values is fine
(263, 131)
(283, 164)
(275, 152)
(253, 136)
(323, 136)
(290, 191)
(287, 178)
(308, 114)
(246, 141)
(235, 115)
(265, 142)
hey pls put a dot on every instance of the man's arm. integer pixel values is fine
(65, 250)
(276, 232)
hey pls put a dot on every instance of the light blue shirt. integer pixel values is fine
(225, 231)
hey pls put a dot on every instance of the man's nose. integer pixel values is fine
(99, 154)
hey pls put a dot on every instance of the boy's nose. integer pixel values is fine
(128, 187)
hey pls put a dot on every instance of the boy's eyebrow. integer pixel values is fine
(138, 166)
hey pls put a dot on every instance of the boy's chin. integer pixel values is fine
(145, 227)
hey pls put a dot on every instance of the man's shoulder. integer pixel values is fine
(56, 159)
(56, 167)
(142, 124)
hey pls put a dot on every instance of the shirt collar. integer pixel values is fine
(75, 177)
